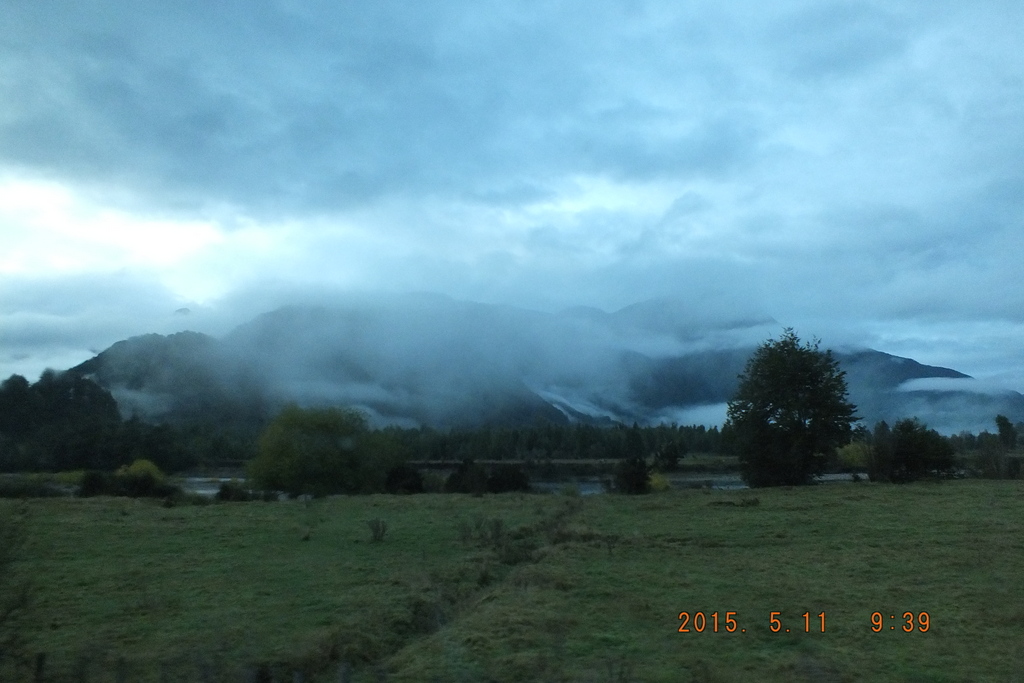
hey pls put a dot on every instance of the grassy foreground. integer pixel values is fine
(557, 589)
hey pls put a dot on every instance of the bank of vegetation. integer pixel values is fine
(65, 423)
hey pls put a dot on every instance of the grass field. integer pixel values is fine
(534, 587)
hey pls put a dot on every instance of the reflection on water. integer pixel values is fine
(584, 488)
(208, 486)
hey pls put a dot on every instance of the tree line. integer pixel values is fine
(549, 441)
(789, 422)
(66, 422)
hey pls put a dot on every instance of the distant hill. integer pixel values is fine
(427, 359)
(181, 378)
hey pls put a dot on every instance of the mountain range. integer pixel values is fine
(425, 359)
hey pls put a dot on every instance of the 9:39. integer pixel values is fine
(922, 622)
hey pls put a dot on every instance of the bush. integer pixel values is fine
(469, 477)
(28, 486)
(506, 478)
(433, 483)
(570, 490)
(667, 458)
(658, 482)
(234, 492)
(141, 468)
(95, 484)
(854, 455)
(127, 485)
(378, 527)
(403, 478)
(994, 464)
(1013, 468)
(632, 476)
(143, 486)
(73, 478)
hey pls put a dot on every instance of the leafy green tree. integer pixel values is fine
(635, 442)
(917, 451)
(19, 407)
(320, 451)
(1007, 432)
(63, 421)
(790, 410)
(880, 454)
(666, 459)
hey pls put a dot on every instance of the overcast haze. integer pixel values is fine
(852, 169)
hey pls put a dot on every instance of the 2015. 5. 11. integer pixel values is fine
(728, 622)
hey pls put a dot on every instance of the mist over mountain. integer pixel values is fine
(428, 359)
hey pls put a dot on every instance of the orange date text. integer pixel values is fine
(730, 622)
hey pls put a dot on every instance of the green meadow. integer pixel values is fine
(519, 587)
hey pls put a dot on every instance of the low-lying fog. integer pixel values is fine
(429, 359)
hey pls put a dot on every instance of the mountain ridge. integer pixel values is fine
(447, 363)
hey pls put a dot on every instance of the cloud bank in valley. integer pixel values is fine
(431, 360)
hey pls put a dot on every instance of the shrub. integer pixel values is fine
(129, 485)
(403, 478)
(854, 455)
(486, 532)
(143, 486)
(73, 478)
(378, 527)
(570, 490)
(433, 483)
(632, 476)
(465, 532)
(666, 459)
(28, 486)
(95, 484)
(469, 477)
(994, 464)
(234, 492)
(493, 532)
(1013, 468)
(506, 478)
(142, 468)
(658, 482)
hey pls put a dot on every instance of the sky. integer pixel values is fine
(852, 169)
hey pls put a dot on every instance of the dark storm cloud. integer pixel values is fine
(272, 106)
(292, 107)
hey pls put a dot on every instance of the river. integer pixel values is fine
(208, 486)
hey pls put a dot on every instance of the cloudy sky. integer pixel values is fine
(853, 169)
